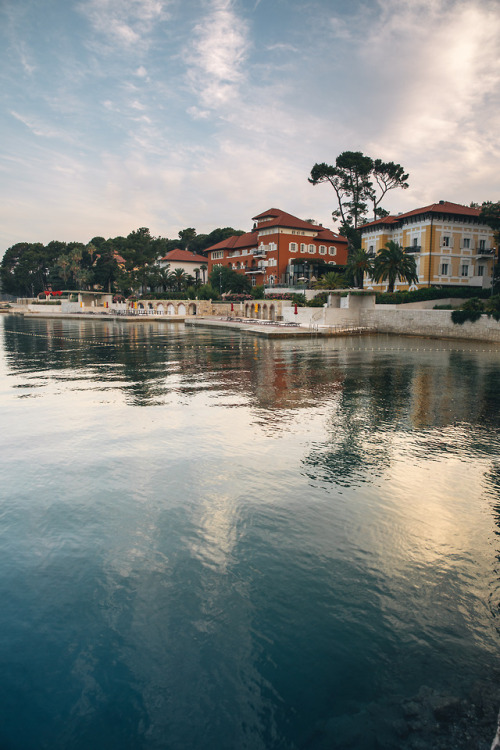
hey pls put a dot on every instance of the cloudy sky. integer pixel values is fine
(118, 114)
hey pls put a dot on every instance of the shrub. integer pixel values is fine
(318, 301)
(257, 292)
(461, 316)
(429, 293)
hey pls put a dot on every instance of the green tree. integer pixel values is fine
(357, 181)
(106, 269)
(331, 280)
(180, 278)
(63, 267)
(359, 263)
(186, 236)
(226, 280)
(388, 176)
(393, 264)
(490, 215)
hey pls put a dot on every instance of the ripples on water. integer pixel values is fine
(210, 540)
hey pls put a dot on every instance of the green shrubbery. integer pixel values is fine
(420, 295)
(474, 308)
(318, 301)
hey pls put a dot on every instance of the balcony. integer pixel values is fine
(255, 270)
(485, 252)
(260, 252)
(413, 249)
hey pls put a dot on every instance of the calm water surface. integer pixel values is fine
(213, 541)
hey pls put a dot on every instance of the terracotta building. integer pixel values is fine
(280, 250)
(449, 243)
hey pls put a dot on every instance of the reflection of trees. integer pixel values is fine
(459, 395)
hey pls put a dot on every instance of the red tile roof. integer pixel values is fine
(326, 235)
(443, 207)
(184, 256)
(280, 218)
(249, 239)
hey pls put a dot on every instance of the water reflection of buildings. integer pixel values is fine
(374, 381)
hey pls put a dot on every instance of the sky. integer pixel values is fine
(167, 114)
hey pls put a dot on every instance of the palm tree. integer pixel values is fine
(330, 280)
(203, 269)
(359, 263)
(180, 278)
(166, 278)
(392, 263)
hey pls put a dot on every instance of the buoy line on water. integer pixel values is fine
(98, 342)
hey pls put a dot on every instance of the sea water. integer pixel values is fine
(210, 540)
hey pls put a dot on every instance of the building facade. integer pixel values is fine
(191, 263)
(449, 243)
(280, 250)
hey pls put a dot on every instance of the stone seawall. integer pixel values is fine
(430, 323)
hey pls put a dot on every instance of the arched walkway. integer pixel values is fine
(170, 309)
(181, 309)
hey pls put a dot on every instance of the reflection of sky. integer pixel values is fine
(280, 513)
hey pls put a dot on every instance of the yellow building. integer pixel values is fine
(450, 245)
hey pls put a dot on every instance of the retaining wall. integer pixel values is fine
(430, 323)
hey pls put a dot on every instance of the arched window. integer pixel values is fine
(293, 247)
(312, 249)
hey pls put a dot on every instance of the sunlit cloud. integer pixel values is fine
(219, 51)
(124, 21)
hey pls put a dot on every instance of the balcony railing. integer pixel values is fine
(260, 251)
(485, 251)
(255, 269)
(413, 249)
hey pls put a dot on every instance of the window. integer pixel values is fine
(311, 249)
(480, 270)
(444, 269)
(303, 248)
(446, 241)
(293, 247)
(370, 248)
(464, 270)
(332, 251)
(415, 242)
(482, 244)
(331, 263)
(466, 242)
(322, 250)
(217, 254)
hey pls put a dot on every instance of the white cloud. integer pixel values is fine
(126, 22)
(198, 114)
(38, 127)
(219, 51)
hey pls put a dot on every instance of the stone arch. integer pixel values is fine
(247, 311)
(181, 309)
(264, 312)
(192, 309)
(272, 312)
(170, 309)
(160, 309)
